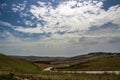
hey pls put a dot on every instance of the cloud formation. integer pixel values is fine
(73, 19)
(69, 27)
(71, 16)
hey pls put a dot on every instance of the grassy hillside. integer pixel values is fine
(105, 64)
(84, 58)
(10, 64)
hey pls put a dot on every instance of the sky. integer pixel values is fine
(59, 27)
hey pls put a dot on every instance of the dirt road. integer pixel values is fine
(93, 72)
(87, 72)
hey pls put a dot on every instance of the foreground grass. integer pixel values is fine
(59, 76)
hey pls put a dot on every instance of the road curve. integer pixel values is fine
(47, 69)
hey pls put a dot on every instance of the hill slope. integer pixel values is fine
(85, 58)
(101, 64)
(11, 64)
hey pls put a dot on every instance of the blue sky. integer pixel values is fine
(59, 27)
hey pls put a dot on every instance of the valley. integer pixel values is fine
(92, 66)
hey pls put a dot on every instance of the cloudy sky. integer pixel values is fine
(59, 27)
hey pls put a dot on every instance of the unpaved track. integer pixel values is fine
(87, 72)
(47, 69)
(93, 72)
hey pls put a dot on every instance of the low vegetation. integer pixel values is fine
(59, 76)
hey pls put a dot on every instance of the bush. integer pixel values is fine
(10, 76)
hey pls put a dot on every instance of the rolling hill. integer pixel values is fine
(67, 60)
(110, 63)
(90, 61)
(11, 64)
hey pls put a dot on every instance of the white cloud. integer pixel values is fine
(5, 24)
(19, 7)
(38, 11)
(30, 30)
(22, 29)
(27, 22)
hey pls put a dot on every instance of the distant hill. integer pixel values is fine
(66, 60)
(11, 64)
(105, 63)
(85, 58)
(38, 58)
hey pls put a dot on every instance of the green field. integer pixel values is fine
(10, 64)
